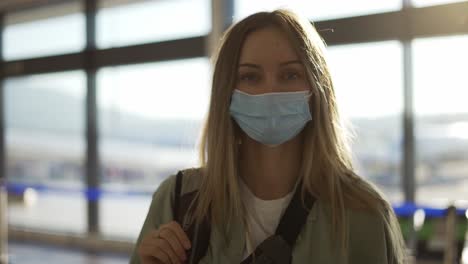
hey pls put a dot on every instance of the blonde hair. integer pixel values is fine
(326, 170)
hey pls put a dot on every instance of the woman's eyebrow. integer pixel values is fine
(252, 65)
(249, 65)
(290, 62)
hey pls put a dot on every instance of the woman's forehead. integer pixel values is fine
(267, 45)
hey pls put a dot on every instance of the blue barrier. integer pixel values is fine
(408, 209)
(91, 194)
(405, 210)
(94, 194)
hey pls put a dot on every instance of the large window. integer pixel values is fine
(45, 31)
(149, 115)
(441, 122)
(45, 150)
(138, 22)
(317, 10)
(369, 87)
(149, 118)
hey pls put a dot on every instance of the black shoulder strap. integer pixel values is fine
(178, 188)
(199, 234)
(295, 216)
(278, 248)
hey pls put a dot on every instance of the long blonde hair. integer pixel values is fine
(326, 170)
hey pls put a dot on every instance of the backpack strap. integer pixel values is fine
(198, 234)
(178, 188)
(295, 217)
(278, 248)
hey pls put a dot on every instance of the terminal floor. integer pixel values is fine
(32, 253)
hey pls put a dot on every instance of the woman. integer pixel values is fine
(272, 132)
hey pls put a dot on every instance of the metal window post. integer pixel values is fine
(3, 191)
(222, 12)
(92, 157)
(408, 163)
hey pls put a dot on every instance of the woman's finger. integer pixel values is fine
(179, 232)
(154, 249)
(148, 255)
(162, 245)
(174, 242)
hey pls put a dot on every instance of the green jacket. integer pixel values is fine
(367, 240)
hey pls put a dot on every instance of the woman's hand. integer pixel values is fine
(164, 245)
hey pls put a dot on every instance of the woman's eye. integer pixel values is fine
(249, 77)
(291, 76)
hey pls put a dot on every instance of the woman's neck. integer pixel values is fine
(270, 172)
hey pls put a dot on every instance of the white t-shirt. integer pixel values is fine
(263, 217)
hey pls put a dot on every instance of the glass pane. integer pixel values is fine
(46, 31)
(148, 21)
(317, 9)
(422, 3)
(45, 151)
(369, 87)
(150, 118)
(440, 101)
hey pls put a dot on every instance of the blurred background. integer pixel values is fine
(102, 100)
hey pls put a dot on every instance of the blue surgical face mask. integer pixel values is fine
(271, 118)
